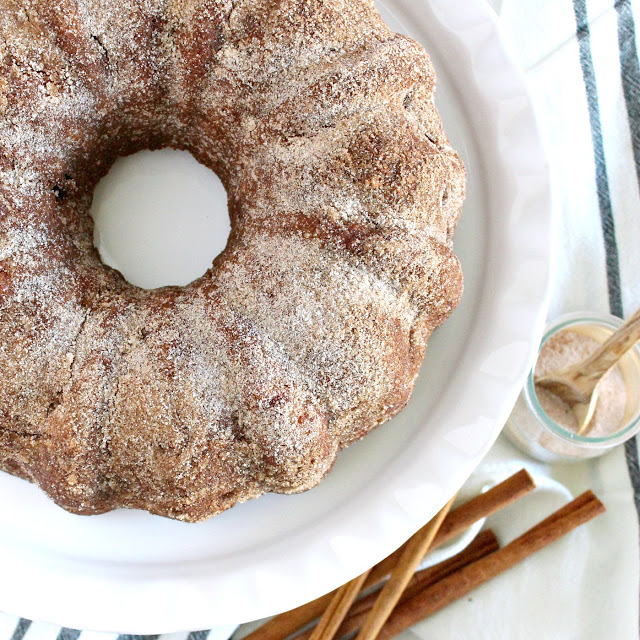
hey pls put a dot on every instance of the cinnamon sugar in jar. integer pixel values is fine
(545, 427)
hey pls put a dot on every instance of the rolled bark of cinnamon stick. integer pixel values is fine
(401, 575)
(338, 609)
(458, 584)
(457, 521)
(484, 544)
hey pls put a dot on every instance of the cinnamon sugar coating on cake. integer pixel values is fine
(309, 329)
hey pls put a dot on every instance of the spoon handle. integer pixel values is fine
(618, 343)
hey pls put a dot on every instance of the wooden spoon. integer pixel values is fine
(576, 385)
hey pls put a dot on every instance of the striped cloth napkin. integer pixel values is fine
(581, 60)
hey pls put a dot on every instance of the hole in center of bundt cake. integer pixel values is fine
(160, 218)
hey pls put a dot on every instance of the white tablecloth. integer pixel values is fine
(581, 60)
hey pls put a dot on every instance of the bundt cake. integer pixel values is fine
(310, 327)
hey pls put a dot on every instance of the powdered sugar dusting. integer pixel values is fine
(310, 327)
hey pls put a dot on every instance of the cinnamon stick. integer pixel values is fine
(458, 584)
(462, 517)
(458, 520)
(408, 562)
(338, 608)
(484, 544)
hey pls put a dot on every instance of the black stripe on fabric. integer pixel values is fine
(630, 72)
(198, 635)
(602, 181)
(129, 636)
(631, 453)
(68, 634)
(630, 75)
(21, 629)
(631, 89)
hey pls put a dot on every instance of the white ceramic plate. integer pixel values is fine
(129, 571)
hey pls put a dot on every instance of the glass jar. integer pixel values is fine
(531, 429)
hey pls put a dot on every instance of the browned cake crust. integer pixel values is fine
(308, 330)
